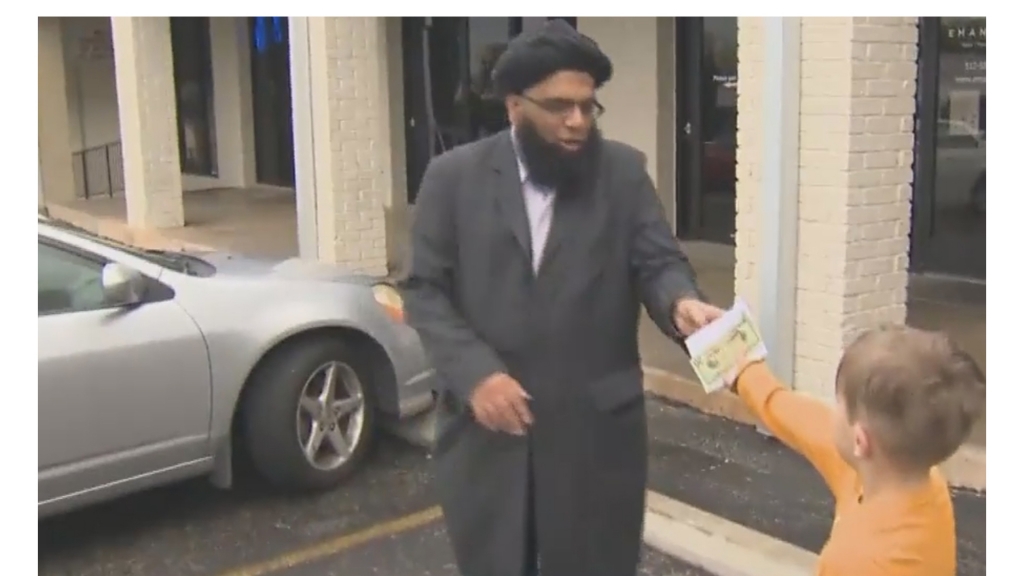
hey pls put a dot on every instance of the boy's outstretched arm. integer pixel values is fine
(802, 422)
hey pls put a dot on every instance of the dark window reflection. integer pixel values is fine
(960, 135)
(272, 100)
(484, 110)
(718, 124)
(193, 83)
(449, 93)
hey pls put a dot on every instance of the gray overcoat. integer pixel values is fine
(568, 334)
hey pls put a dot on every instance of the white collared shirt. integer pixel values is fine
(540, 208)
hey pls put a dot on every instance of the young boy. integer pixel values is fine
(906, 399)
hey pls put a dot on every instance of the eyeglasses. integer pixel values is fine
(564, 107)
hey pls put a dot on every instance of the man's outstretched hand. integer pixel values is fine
(691, 315)
(499, 403)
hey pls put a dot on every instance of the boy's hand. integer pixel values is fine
(731, 377)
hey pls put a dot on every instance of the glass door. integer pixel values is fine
(706, 75)
(449, 99)
(949, 194)
(432, 52)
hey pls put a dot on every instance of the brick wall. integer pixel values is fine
(749, 103)
(856, 153)
(352, 140)
(858, 81)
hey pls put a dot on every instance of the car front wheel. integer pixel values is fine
(308, 416)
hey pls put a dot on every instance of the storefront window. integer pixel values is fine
(957, 223)
(269, 57)
(484, 109)
(193, 82)
(718, 124)
(960, 132)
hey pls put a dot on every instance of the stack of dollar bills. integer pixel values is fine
(719, 350)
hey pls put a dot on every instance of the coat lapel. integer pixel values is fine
(509, 192)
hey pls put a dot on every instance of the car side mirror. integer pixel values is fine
(122, 286)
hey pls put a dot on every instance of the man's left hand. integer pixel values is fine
(691, 315)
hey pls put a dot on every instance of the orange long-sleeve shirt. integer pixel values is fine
(910, 533)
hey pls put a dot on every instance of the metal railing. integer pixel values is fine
(98, 170)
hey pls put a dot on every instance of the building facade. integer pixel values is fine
(884, 155)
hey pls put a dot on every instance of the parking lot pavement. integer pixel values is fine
(384, 522)
(425, 551)
(192, 529)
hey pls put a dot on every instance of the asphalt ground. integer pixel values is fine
(424, 551)
(194, 529)
(384, 521)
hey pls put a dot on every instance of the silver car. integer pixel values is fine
(154, 366)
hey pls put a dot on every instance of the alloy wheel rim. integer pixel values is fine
(329, 416)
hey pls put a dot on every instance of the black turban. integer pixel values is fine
(533, 56)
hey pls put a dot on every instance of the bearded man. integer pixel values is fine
(532, 251)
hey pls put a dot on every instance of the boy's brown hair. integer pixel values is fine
(917, 391)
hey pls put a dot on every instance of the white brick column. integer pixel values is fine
(856, 151)
(148, 121)
(352, 139)
(56, 172)
(749, 142)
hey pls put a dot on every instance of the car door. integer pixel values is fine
(124, 392)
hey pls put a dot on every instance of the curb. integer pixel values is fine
(965, 469)
(675, 389)
(718, 545)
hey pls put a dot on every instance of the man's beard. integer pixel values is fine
(549, 165)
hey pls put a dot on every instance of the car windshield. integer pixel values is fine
(177, 261)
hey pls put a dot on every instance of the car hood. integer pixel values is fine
(229, 264)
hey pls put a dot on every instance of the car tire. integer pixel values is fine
(276, 415)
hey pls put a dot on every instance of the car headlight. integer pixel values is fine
(389, 299)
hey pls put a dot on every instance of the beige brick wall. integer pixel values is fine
(352, 140)
(858, 81)
(148, 121)
(750, 53)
